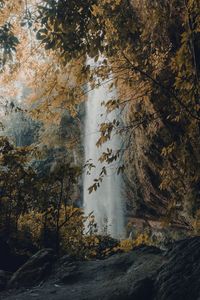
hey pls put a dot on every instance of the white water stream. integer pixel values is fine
(106, 203)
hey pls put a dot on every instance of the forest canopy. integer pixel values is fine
(151, 48)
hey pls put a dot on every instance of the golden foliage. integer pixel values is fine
(128, 244)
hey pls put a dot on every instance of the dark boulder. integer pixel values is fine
(146, 273)
(36, 269)
(5, 255)
(67, 270)
(179, 277)
(3, 280)
(124, 276)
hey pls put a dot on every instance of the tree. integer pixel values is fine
(151, 48)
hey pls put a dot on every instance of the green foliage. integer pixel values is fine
(16, 185)
(76, 28)
(152, 47)
(8, 43)
(37, 211)
(69, 27)
(152, 50)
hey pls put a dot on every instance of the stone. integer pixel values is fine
(36, 269)
(145, 273)
(179, 277)
(3, 280)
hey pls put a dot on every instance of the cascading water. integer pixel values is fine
(106, 203)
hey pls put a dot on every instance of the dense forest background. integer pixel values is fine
(152, 50)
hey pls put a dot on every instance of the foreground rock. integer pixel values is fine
(143, 274)
(121, 276)
(179, 278)
(36, 269)
(3, 280)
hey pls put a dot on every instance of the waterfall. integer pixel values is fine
(106, 203)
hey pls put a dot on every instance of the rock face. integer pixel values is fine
(152, 178)
(34, 270)
(146, 273)
(179, 278)
(120, 276)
